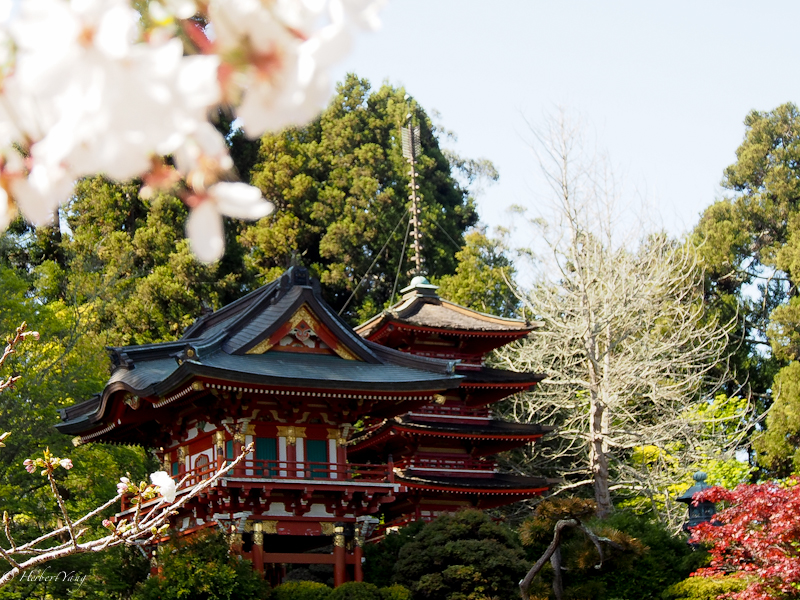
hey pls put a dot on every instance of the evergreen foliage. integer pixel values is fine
(640, 557)
(482, 277)
(750, 246)
(301, 590)
(465, 556)
(340, 186)
(703, 588)
(200, 567)
(66, 365)
(356, 590)
(381, 558)
(395, 592)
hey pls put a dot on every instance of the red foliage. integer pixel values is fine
(756, 535)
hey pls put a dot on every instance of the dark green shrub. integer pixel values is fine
(356, 590)
(650, 559)
(381, 558)
(301, 590)
(703, 588)
(395, 592)
(667, 560)
(201, 568)
(462, 556)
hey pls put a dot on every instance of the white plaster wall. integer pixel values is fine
(300, 444)
(282, 452)
(248, 439)
(332, 458)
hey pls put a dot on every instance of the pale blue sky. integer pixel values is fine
(665, 86)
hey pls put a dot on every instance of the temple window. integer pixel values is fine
(267, 451)
(316, 453)
(201, 466)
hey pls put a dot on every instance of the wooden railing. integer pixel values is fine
(453, 411)
(284, 469)
(446, 463)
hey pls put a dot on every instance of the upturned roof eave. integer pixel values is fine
(190, 370)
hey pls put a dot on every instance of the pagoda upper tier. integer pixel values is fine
(424, 324)
(282, 343)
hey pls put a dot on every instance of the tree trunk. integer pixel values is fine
(599, 458)
(558, 583)
(525, 584)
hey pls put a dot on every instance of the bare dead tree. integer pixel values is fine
(625, 341)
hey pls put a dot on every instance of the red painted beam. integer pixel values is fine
(300, 558)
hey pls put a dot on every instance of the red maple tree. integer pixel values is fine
(755, 536)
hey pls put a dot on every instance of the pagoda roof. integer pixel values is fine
(422, 308)
(498, 483)
(246, 343)
(491, 429)
(488, 377)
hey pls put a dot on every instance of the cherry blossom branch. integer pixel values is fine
(19, 336)
(150, 526)
(7, 528)
(266, 61)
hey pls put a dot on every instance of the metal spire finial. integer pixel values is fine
(411, 149)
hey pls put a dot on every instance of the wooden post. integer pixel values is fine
(238, 445)
(358, 554)
(235, 542)
(339, 566)
(182, 450)
(258, 547)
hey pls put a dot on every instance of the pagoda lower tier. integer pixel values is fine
(280, 370)
(280, 512)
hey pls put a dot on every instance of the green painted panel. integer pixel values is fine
(317, 452)
(267, 449)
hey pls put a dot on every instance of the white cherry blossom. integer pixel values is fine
(165, 484)
(85, 90)
(204, 225)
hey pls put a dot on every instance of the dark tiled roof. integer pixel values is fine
(497, 483)
(452, 316)
(216, 346)
(492, 427)
(490, 376)
(422, 307)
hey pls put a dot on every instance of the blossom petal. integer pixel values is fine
(165, 483)
(206, 233)
(240, 201)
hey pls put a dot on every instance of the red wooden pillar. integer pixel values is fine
(358, 554)
(181, 458)
(155, 568)
(258, 548)
(236, 542)
(238, 445)
(339, 565)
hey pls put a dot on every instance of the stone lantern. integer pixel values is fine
(703, 511)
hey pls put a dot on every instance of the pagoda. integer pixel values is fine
(279, 369)
(444, 451)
